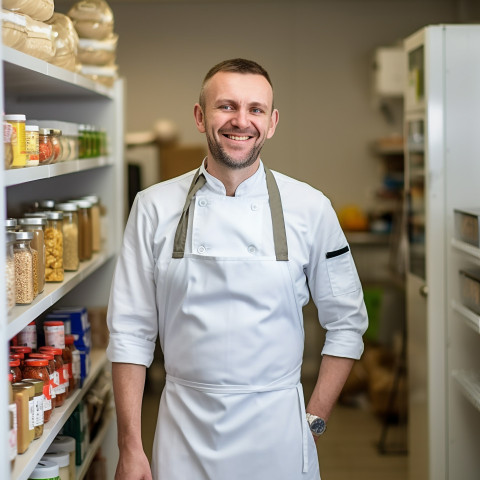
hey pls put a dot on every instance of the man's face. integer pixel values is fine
(238, 117)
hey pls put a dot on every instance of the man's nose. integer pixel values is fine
(240, 119)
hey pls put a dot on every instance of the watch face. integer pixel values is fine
(317, 426)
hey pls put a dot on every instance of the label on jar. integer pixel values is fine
(53, 384)
(55, 336)
(47, 397)
(31, 148)
(66, 374)
(28, 337)
(38, 406)
(31, 414)
(12, 431)
(59, 381)
(76, 368)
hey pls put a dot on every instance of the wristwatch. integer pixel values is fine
(317, 425)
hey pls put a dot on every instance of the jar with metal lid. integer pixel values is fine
(15, 370)
(10, 271)
(11, 224)
(37, 226)
(7, 145)
(70, 235)
(47, 205)
(35, 372)
(85, 228)
(49, 390)
(38, 413)
(96, 221)
(23, 268)
(12, 425)
(22, 394)
(32, 145)
(18, 139)
(57, 145)
(65, 444)
(74, 375)
(60, 383)
(45, 146)
(54, 247)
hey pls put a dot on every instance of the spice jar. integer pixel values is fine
(10, 271)
(57, 145)
(54, 247)
(45, 470)
(36, 226)
(70, 235)
(64, 444)
(37, 404)
(12, 425)
(45, 146)
(85, 228)
(47, 205)
(74, 379)
(96, 221)
(15, 371)
(18, 139)
(54, 333)
(23, 268)
(48, 390)
(32, 146)
(7, 145)
(61, 384)
(62, 459)
(21, 395)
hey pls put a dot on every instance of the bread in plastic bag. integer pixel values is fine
(97, 52)
(40, 10)
(66, 41)
(14, 31)
(40, 41)
(92, 19)
(104, 75)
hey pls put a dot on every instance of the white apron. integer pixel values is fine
(232, 407)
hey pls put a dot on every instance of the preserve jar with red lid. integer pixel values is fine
(67, 362)
(37, 369)
(51, 373)
(17, 356)
(54, 333)
(74, 380)
(21, 349)
(15, 371)
(27, 337)
(60, 384)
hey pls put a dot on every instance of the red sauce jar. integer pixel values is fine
(68, 364)
(18, 356)
(74, 378)
(17, 349)
(51, 374)
(36, 369)
(15, 371)
(61, 385)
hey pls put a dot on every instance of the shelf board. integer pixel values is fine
(22, 315)
(469, 383)
(466, 248)
(30, 77)
(95, 444)
(25, 463)
(470, 318)
(30, 174)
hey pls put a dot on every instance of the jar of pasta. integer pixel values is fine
(23, 268)
(10, 271)
(18, 139)
(54, 247)
(70, 235)
(37, 226)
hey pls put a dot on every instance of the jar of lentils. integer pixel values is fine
(10, 271)
(23, 268)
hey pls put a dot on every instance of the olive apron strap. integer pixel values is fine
(181, 233)
(278, 222)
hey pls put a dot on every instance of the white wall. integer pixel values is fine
(318, 54)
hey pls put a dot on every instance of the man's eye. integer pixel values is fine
(257, 110)
(226, 107)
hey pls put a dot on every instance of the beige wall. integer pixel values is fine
(318, 54)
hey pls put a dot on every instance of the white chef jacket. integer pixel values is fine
(313, 234)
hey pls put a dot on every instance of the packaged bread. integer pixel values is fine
(40, 10)
(97, 52)
(92, 19)
(66, 41)
(14, 32)
(104, 75)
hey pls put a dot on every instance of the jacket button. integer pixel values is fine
(254, 207)
(201, 249)
(251, 249)
(202, 202)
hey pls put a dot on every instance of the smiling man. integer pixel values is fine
(219, 263)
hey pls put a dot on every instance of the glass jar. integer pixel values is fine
(57, 145)
(65, 444)
(18, 139)
(36, 226)
(96, 222)
(10, 271)
(39, 413)
(54, 333)
(45, 146)
(74, 373)
(81, 142)
(46, 205)
(54, 247)
(60, 383)
(20, 350)
(23, 268)
(12, 425)
(49, 390)
(68, 366)
(27, 337)
(37, 369)
(70, 235)
(22, 393)
(15, 370)
(11, 224)
(7, 145)
(85, 227)
(17, 356)
(32, 146)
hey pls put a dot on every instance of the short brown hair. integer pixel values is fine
(234, 65)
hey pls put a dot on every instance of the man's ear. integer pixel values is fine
(199, 118)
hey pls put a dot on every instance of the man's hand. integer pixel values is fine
(133, 465)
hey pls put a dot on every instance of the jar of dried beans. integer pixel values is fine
(54, 247)
(23, 268)
(70, 235)
(45, 146)
(10, 271)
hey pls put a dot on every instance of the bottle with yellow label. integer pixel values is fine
(18, 140)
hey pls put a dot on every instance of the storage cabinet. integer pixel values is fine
(442, 146)
(42, 91)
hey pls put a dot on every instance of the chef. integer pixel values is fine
(218, 264)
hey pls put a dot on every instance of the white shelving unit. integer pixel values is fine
(43, 91)
(442, 113)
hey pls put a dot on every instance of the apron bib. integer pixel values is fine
(232, 407)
